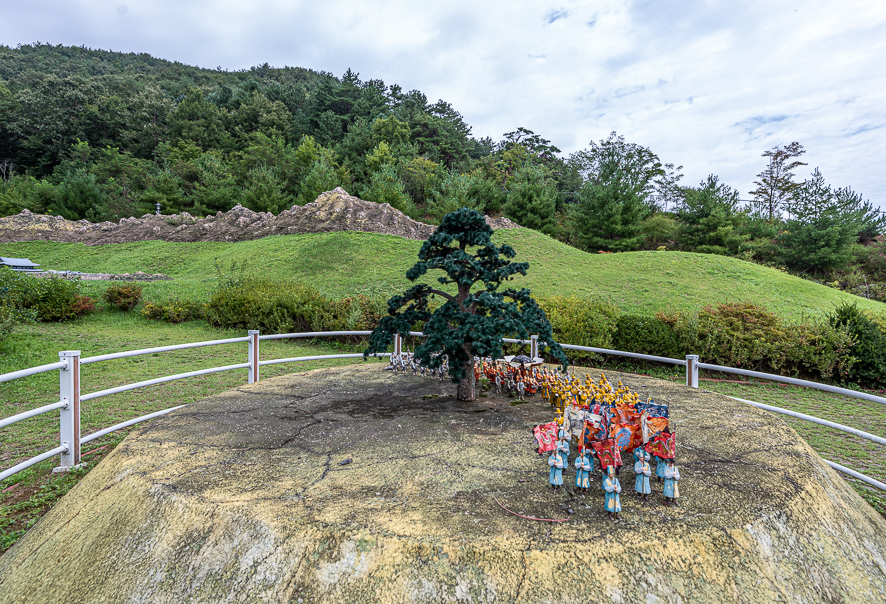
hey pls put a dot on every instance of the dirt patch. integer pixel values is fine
(331, 211)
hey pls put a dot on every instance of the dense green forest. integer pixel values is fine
(103, 135)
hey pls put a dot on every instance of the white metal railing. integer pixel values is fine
(70, 398)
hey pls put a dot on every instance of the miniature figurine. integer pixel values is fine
(644, 427)
(659, 468)
(584, 465)
(563, 444)
(555, 476)
(612, 488)
(643, 472)
(671, 476)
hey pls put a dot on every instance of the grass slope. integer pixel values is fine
(342, 264)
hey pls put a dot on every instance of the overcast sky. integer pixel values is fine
(708, 85)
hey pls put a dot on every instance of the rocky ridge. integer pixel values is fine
(332, 211)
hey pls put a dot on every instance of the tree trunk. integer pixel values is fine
(467, 387)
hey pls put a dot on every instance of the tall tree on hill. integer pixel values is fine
(709, 217)
(776, 184)
(532, 199)
(620, 179)
(824, 224)
(468, 323)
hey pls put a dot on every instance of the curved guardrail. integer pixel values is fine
(70, 398)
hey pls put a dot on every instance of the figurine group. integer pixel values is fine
(406, 362)
(519, 381)
(619, 422)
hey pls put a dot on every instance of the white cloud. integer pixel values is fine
(706, 84)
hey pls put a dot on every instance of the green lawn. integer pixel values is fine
(342, 264)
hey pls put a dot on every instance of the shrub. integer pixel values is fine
(648, 335)
(82, 306)
(174, 311)
(360, 313)
(749, 336)
(123, 296)
(273, 307)
(869, 347)
(8, 319)
(48, 298)
(581, 321)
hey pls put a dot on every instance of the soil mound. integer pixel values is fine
(331, 211)
(353, 484)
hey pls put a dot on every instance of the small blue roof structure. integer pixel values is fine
(20, 264)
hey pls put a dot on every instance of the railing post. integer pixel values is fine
(253, 357)
(533, 347)
(398, 345)
(69, 416)
(692, 370)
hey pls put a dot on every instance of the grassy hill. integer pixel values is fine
(341, 264)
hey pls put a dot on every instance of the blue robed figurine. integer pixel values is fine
(555, 476)
(671, 476)
(659, 468)
(563, 446)
(612, 488)
(584, 465)
(643, 472)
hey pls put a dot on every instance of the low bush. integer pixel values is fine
(749, 336)
(124, 297)
(869, 347)
(274, 307)
(648, 335)
(50, 298)
(82, 306)
(174, 311)
(581, 321)
(360, 313)
(8, 319)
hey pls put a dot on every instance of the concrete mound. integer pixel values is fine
(331, 211)
(358, 485)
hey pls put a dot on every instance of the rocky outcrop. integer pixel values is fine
(331, 211)
(353, 484)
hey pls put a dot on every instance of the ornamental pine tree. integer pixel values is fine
(468, 323)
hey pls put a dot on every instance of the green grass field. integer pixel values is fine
(343, 264)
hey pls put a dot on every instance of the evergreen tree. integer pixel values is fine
(321, 177)
(532, 200)
(709, 217)
(824, 225)
(385, 187)
(610, 213)
(776, 184)
(78, 196)
(454, 193)
(264, 191)
(468, 323)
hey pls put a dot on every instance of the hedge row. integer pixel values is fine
(738, 334)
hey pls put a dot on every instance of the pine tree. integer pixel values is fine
(468, 323)
(532, 200)
(776, 182)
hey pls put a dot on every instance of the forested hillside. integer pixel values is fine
(102, 135)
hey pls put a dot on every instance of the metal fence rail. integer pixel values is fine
(70, 438)
(788, 380)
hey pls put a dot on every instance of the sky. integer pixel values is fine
(708, 85)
